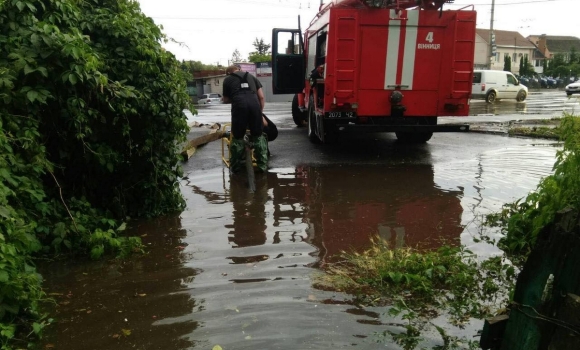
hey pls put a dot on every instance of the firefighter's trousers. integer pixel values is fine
(237, 153)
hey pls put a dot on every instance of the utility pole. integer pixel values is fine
(491, 37)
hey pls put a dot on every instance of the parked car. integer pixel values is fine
(552, 83)
(492, 85)
(207, 99)
(534, 83)
(573, 88)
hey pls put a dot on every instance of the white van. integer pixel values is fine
(493, 85)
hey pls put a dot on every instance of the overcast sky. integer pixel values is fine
(210, 30)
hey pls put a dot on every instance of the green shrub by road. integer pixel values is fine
(90, 119)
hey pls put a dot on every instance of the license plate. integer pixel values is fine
(341, 115)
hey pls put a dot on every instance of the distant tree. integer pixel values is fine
(557, 61)
(545, 66)
(261, 47)
(261, 54)
(526, 68)
(561, 71)
(554, 65)
(507, 63)
(190, 67)
(236, 56)
(573, 56)
(575, 70)
(256, 57)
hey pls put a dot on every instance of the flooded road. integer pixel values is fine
(235, 269)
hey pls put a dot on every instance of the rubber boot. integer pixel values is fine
(261, 152)
(237, 151)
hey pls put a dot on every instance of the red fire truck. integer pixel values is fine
(378, 66)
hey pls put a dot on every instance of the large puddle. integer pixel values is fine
(235, 269)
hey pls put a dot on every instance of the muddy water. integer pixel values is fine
(235, 269)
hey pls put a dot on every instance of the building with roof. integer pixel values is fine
(549, 45)
(507, 43)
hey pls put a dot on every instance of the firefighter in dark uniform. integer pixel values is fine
(244, 92)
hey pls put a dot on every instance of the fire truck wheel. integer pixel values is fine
(300, 118)
(330, 132)
(312, 123)
(490, 98)
(521, 96)
(412, 137)
(423, 137)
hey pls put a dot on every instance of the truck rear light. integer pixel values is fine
(482, 87)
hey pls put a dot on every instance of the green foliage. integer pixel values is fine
(507, 63)
(536, 131)
(190, 67)
(562, 67)
(423, 284)
(91, 123)
(522, 220)
(254, 57)
(261, 47)
(261, 54)
(526, 68)
(574, 57)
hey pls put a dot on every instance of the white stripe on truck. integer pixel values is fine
(410, 49)
(394, 38)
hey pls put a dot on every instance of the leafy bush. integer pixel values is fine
(422, 284)
(90, 124)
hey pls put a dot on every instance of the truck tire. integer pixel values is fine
(491, 96)
(521, 96)
(312, 128)
(330, 132)
(300, 118)
(413, 137)
(423, 137)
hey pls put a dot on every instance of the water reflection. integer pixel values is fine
(136, 303)
(257, 250)
(249, 214)
(344, 207)
(499, 108)
(347, 206)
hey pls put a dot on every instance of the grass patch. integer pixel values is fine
(423, 285)
(543, 132)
